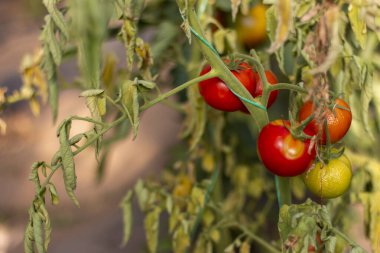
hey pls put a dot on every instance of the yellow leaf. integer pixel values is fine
(208, 162)
(34, 106)
(284, 24)
(235, 7)
(3, 127)
(358, 24)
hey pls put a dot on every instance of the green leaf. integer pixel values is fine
(49, 38)
(89, 21)
(142, 195)
(38, 232)
(358, 23)
(169, 204)
(57, 16)
(47, 225)
(126, 205)
(152, 221)
(68, 164)
(53, 194)
(29, 237)
(129, 100)
(298, 226)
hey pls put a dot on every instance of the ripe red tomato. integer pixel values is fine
(216, 93)
(281, 153)
(272, 79)
(338, 120)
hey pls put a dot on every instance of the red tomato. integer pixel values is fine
(216, 93)
(272, 79)
(338, 120)
(281, 153)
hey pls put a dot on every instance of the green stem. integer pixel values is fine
(90, 120)
(268, 247)
(198, 79)
(287, 86)
(283, 191)
(345, 237)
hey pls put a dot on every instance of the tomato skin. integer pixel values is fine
(251, 28)
(282, 154)
(216, 93)
(272, 79)
(338, 120)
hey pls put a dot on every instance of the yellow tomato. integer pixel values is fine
(330, 180)
(251, 28)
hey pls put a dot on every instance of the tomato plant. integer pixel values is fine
(281, 153)
(214, 191)
(338, 119)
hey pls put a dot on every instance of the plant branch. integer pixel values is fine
(198, 79)
(269, 248)
(345, 237)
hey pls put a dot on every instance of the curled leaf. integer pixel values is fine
(68, 165)
(284, 23)
(126, 205)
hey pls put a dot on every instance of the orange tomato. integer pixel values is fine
(338, 120)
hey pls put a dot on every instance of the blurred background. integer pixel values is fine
(97, 225)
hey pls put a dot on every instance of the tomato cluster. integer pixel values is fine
(217, 94)
(286, 150)
(284, 155)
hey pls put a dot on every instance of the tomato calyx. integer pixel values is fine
(297, 129)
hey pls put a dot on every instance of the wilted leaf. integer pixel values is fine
(68, 164)
(152, 221)
(129, 99)
(89, 36)
(181, 240)
(96, 102)
(358, 24)
(245, 247)
(142, 195)
(57, 16)
(109, 71)
(284, 23)
(53, 194)
(235, 8)
(47, 225)
(219, 40)
(38, 232)
(126, 205)
(29, 236)
(198, 196)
